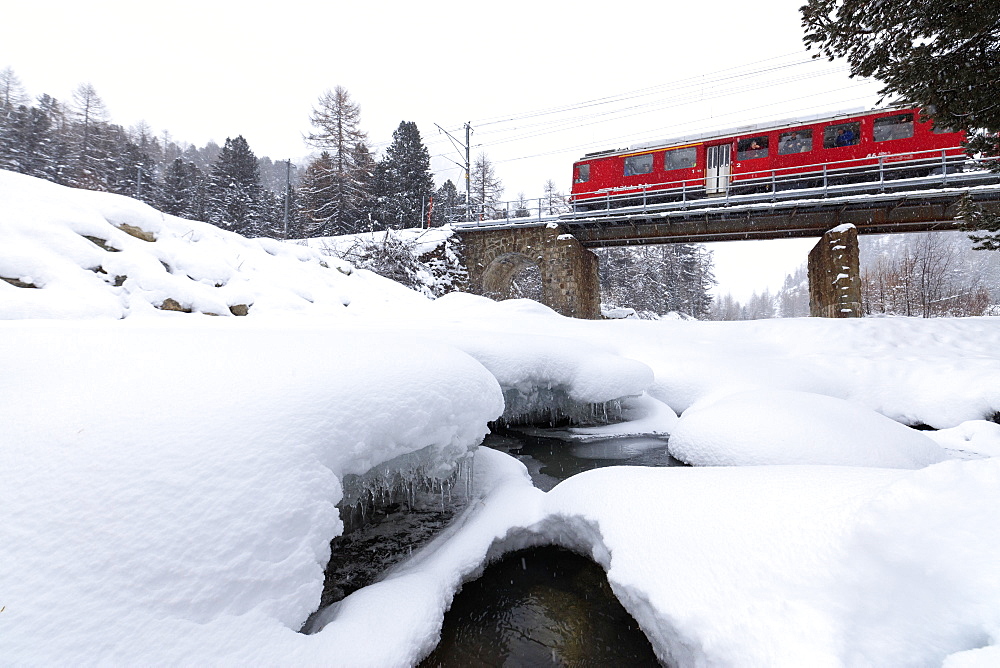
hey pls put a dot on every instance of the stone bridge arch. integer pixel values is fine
(499, 275)
(570, 283)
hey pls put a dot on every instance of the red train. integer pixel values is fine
(877, 145)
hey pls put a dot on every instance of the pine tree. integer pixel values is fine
(60, 145)
(26, 141)
(181, 192)
(447, 205)
(656, 280)
(941, 55)
(406, 182)
(234, 194)
(129, 170)
(369, 177)
(335, 120)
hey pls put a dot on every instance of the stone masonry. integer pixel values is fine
(834, 275)
(570, 283)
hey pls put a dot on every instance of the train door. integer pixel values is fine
(717, 169)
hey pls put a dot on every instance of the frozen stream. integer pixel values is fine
(551, 460)
(547, 606)
(540, 606)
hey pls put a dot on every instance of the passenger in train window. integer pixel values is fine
(638, 164)
(846, 134)
(795, 142)
(755, 147)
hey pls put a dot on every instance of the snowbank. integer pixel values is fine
(69, 253)
(159, 475)
(543, 374)
(796, 565)
(976, 438)
(784, 427)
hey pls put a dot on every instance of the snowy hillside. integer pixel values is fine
(179, 407)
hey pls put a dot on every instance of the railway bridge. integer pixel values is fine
(496, 250)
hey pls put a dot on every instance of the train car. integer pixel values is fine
(883, 144)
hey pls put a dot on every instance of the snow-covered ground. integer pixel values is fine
(169, 469)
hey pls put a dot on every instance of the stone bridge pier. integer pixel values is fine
(570, 284)
(834, 275)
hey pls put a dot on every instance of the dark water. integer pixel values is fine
(548, 606)
(551, 460)
(540, 607)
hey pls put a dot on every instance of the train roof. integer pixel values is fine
(743, 130)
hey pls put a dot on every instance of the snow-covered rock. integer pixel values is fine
(785, 427)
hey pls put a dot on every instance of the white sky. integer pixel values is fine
(621, 74)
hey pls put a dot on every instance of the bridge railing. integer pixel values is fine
(927, 169)
(914, 169)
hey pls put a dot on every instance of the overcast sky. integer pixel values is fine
(541, 82)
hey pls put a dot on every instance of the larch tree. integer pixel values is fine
(335, 120)
(486, 188)
(90, 118)
(553, 201)
(12, 94)
(939, 54)
(317, 195)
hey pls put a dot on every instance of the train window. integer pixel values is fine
(844, 134)
(942, 129)
(799, 141)
(899, 126)
(751, 147)
(680, 158)
(582, 174)
(638, 164)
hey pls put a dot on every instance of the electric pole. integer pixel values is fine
(468, 176)
(288, 192)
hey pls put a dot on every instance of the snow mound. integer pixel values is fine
(540, 374)
(796, 565)
(787, 427)
(160, 475)
(973, 438)
(70, 253)
(937, 371)
(923, 580)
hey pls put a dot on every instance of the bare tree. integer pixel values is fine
(12, 93)
(486, 187)
(923, 275)
(553, 201)
(90, 116)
